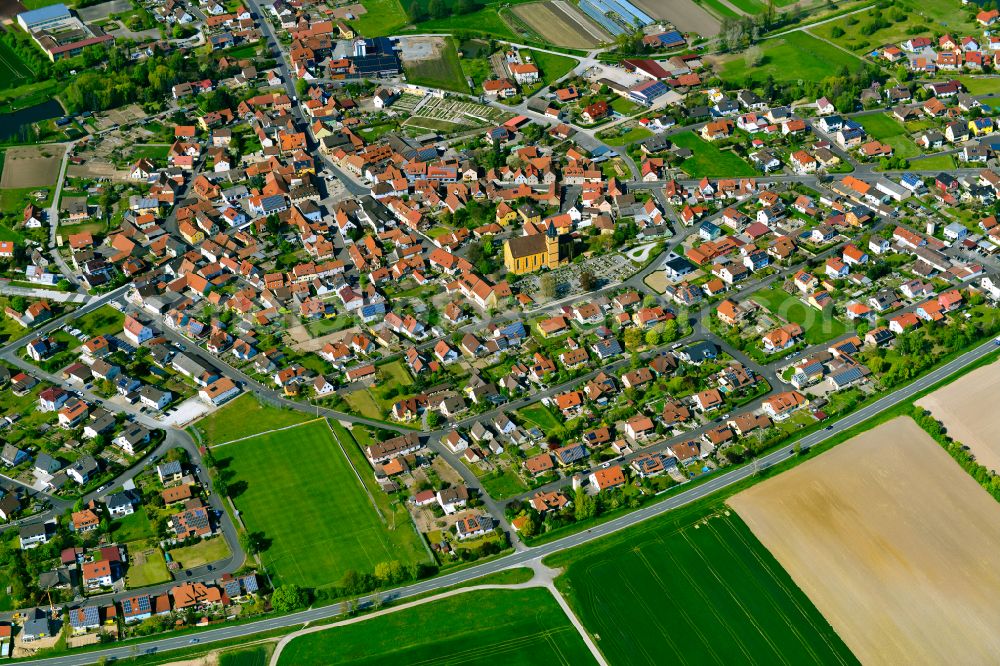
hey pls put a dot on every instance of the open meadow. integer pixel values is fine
(488, 627)
(967, 407)
(693, 586)
(792, 57)
(299, 489)
(896, 545)
(433, 62)
(708, 159)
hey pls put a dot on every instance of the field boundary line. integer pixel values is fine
(356, 473)
(266, 432)
(575, 621)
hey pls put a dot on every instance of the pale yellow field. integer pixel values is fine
(894, 543)
(968, 409)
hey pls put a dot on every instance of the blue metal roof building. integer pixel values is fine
(45, 16)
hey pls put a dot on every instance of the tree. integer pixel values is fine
(547, 285)
(288, 598)
(653, 336)
(585, 505)
(437, 9)
(633, 338)
(433, 420)
(390, 572)
(301, 87)
(587, 281)
(754, 56)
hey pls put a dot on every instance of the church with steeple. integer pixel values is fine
(526, 254)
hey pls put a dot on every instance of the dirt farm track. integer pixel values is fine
(895, 544)
(968, 409)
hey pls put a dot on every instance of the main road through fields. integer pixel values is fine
(703, 490)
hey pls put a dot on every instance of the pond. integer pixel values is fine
(11, 124)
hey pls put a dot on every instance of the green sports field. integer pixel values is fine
(303, 495)
(488, 627)
(694, 588)
(245, 416)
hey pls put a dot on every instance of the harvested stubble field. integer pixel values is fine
(893, 542)
(31, 166)
(967, 408)
(685, 14)
(560, 24)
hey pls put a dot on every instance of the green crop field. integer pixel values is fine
(303, 495)
(512, 627)
(694, 587)
(818, 326)
(246, 416)
(792, 57)
(708, 160)
(13, 71)
(445, 71)
(717, 8)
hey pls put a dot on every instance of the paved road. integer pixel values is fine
(720, 481)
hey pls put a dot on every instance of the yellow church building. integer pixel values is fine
(526, 254)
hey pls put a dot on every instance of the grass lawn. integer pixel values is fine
(153, 569)
(320, 327)
(133, 527)
(818, 326)
(630, 136)
(255, 656)
(503, 483)
(708, 160)
(522, 627)
(539, 415)
(647, 593)
(485, 21)
(303, 495)
(881, 126)
(444, 72)
(626, 107)
(888, 130)
(245, 416)
(795, 56)
(551, 65)
(204, 552)
(105, 320)
(373, 132)
(934, 162)
(980, 86)
(363, 403)
(382, 18)
(151, 152)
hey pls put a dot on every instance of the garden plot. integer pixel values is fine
(406, 104)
